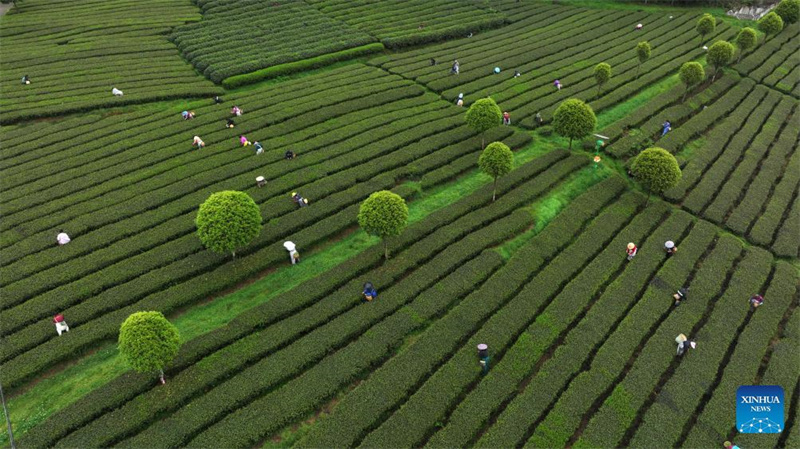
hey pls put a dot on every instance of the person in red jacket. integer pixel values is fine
(631, 251)
(61, 324)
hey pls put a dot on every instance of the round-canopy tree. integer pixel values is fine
(574, 119)
(745, 40)
(484, 115)
(496, 160)
(383, 214)
(789, 10)
(148, 342)
(643, 51)
(706, 25)
(228, 220)
(771, 24)
(690, 74)
(602, 73)
(719, 56)
(656, 169)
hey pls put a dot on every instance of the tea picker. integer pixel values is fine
(483, 355)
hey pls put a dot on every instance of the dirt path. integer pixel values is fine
(4, 7)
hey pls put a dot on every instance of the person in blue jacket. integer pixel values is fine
(667, 128)
(369, 292)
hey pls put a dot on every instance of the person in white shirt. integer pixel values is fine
(116, 92)
(293, 254)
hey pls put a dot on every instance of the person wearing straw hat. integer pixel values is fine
(294, 256)
(299, 200)
(729, 445)
(631, 251)
(684, 344)
(670, 247)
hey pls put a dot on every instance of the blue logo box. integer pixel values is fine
(759, 409)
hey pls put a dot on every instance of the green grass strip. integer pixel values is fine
(298, 66)
(626, 108)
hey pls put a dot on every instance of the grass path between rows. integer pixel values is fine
(69, 383)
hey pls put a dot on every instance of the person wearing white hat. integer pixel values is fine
(198, 142)
(460, 100)
(116, 92)
(670, 247)
(294, 256)
(62, 238)
(483, 355)
(632, 249)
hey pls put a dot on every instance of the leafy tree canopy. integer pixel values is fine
(602, 73)
(719, 55)
(789, 10)
(484, 115)
(228, 220)
(706, 24)
(148, 341)
(746, 39)
(643, 51)
(656, 169)
(691, 73)
(496, 160)
(771, 24)
(383, 214)
(574, 119)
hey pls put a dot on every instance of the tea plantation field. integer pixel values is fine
(581, 338)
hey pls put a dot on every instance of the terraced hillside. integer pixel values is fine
(132, 208)
(400, 23)
(581, 339)
(76, 52)
(777, 63)
(551, 42)
(237, 37)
